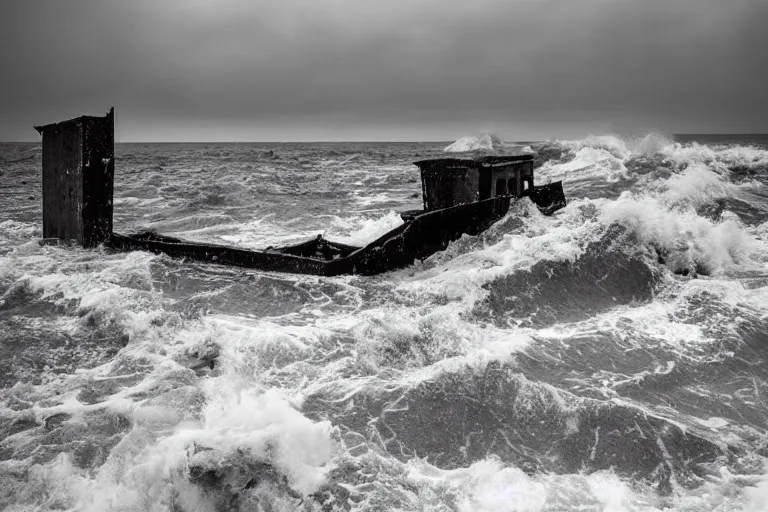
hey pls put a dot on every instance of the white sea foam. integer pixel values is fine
(611, 144)
(589, 163)
(143, 473)
(269, 429)
(363, 199)
(687, 239)
(189, 224)
(696, 185)
(19, 230)
(263, 232)
(650, 144)
(358, 230)
(716, 158)
(436, 337)
(662, 211)
(486, 142)
(460, 275)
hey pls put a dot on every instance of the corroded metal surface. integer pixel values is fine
(448, 182)
(78, 178)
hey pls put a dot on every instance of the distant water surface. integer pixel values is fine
(749, 139)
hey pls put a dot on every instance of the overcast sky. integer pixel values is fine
(271, 70)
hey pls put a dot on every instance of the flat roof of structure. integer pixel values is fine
(75, 120)
(480, 161)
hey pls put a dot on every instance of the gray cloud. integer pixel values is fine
(333, 69)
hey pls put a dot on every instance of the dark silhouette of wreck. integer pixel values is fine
(461, 196)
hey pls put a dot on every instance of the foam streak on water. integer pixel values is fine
(613, 357)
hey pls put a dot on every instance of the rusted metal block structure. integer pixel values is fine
(448, 182)
(78, 179)
(461, 197)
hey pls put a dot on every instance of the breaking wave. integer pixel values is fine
(486, 142)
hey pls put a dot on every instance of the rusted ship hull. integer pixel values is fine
(420, 236)
(461, 196)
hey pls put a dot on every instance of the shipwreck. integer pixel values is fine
(461, 196)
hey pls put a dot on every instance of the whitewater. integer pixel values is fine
(612, 357)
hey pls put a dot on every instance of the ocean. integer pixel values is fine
(611, 357)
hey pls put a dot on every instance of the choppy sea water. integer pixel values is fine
(612, 357)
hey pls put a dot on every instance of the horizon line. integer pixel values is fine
(275, 141)
(732, 134)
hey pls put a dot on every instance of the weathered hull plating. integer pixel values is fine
(419, 237)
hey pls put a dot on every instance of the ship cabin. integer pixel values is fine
(448, 182)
